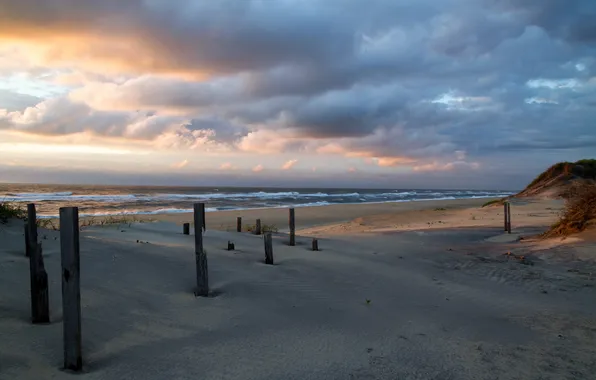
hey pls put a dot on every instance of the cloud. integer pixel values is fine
(60, 116)
(427, 85)
(227, 166)
(180, 165)
(257, 169)
(449, 166)
(289, 164)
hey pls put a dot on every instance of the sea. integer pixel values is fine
(142, 200)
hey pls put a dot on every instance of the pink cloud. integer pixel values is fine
(180, 165)
(439, 167)
(289, 165)
(257, 169)
(393, 161)
(227, 166)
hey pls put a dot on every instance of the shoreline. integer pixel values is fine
(297, 206)
(356, 218)
(307, 217)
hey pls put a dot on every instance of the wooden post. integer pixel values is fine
(27, 244)
(258, 227)
(31, 227)
(315, 244)
(202, 206)
(186, 228)
(268, 248)
(239, 224)
(200, 255)
(505, 214)
(292, 228)
(508, 217)
(71, 287)
(40, 306)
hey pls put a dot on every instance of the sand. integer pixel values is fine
(398, 291)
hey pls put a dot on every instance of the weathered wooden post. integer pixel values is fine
(508, 217)
(268, 248)
(27, 245)
(258, 227)
(202, 207)
(186, 228)
(505, 215)
(239, 224)
(40, 305)
(315, 244)
(292, 228)
(71, 287)
(31, 234)
(200, 255)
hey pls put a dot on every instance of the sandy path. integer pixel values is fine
(431, 304)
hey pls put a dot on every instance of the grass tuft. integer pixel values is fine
(495, 202)
(109, 221)
(264, 228)
(10, 211)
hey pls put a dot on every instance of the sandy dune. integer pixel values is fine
(396, 296)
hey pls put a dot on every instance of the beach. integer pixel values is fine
(404, 290)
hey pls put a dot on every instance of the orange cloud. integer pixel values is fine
(289, 165)
(439, 167)
(180, 165)
(96, 51)
(257, 169)
(227, 166)
(394, 161)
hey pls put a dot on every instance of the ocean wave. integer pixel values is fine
(29, 195)
(128, 212)
(113, 198)
(312, 204)
(68, 197)
(259, 194)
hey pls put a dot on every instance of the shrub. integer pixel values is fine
(579, 212)
(11, 210)
(264, 228)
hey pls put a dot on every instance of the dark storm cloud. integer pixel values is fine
(571, 19)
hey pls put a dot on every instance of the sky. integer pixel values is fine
(304, 93)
